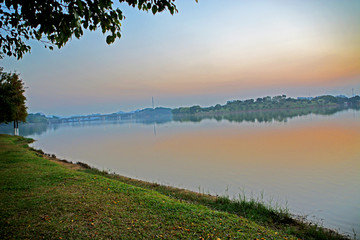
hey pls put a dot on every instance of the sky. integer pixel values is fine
(208, 53)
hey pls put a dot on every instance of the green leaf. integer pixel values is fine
(154, 9)
(108, 39)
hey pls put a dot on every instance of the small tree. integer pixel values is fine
(12, 99)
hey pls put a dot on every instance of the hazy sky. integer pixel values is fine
(208, 53)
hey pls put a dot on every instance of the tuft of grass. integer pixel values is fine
(84, 165)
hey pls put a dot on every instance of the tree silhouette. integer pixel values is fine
(55, 22)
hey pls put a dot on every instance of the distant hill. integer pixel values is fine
(39, 118)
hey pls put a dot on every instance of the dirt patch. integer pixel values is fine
(63, 162)
(68, 165)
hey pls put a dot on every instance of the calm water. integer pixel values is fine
(311, 164)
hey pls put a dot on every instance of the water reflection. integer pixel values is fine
(28, 128)
(35, 129)
(280, 115)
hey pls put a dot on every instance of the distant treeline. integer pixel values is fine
(275, 104)
(36, 118)
(158, 114)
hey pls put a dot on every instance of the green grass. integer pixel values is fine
(252, 209)
(42, 199)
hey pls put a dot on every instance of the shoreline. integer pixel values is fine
(281, 216)
(56, 198)
(47, 200)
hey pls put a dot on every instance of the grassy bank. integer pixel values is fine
(40, 198)
(252, 209)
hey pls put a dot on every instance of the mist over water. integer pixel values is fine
(309, 164)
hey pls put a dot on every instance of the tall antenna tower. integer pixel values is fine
(352, 90)
(152, 100)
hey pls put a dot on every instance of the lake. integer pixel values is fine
(309, 164)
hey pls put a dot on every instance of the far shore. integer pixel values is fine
(220, 113)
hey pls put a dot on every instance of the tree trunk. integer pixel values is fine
(17, 127)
